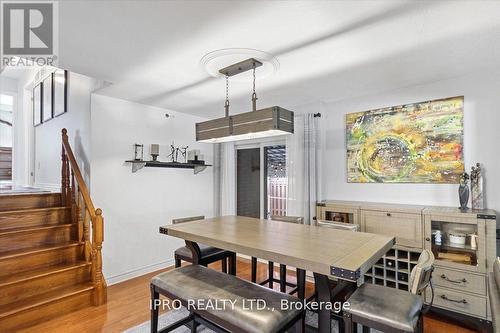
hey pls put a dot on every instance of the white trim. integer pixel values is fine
(138, 272)
(48, 186)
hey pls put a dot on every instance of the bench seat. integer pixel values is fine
(195, 282)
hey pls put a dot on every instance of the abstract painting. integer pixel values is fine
(412, 143)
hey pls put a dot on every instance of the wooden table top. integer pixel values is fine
(343, 254)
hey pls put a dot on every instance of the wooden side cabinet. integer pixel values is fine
(464, 256)
(464, 246)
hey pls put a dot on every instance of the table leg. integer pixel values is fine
(232, 264)
(323, 286)
(301, 283)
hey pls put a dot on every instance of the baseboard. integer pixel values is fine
(162, 265)
(138, 272)
(48, 186)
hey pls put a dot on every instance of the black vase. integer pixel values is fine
(463, 194)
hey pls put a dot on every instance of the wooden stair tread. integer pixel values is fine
(27, 194)
(32, 210)
(42, 299)
(24, 276)
(12, 231)
(36, 249)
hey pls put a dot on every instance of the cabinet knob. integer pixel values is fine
(389, 214)
(427, 239)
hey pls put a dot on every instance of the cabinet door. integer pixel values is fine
(407, 228)
(466, 256)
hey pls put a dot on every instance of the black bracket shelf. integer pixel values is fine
(138, 165)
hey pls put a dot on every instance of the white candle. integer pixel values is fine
(155, 149)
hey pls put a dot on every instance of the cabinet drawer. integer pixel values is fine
(460, 281)
(458, 301)
(407, 228)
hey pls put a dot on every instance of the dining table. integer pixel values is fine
(328, 253)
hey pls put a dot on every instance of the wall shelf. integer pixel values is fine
(138, 165)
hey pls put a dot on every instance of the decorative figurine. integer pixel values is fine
(154, 150)
(463, 191)
(476, 183)
(138, 152)
(174, 153)
(183, 151)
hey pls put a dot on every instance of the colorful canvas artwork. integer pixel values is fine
(412, 143)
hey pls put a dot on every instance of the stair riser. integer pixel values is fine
(24, 289)
(43, 259)
(29, 201)
(27, 239)
(34, 219)
(47, 311)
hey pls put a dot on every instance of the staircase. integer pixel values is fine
(50, 251)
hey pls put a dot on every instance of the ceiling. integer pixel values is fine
(327, 50)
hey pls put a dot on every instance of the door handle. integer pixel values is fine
(462, 301)
(444, 277)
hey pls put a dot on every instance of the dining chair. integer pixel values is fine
(299, 287)
(208, 254)
(392, 310)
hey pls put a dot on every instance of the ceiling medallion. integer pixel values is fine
(212, 62)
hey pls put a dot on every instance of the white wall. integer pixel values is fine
(77, 122)
(481, 141)
(136, 204)
(8, 85)
(23, 142)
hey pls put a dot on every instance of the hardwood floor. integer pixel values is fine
(128, 306)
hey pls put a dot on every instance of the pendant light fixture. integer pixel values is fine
(261, 123)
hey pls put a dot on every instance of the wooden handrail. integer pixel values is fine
(78, 175)
(75, 195)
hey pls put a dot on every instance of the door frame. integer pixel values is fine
(261, 144)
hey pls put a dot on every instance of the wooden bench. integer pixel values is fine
(194, 284)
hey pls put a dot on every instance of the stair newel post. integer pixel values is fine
(97, 239)
(64, 170)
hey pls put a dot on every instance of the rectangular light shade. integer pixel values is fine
(267, 122)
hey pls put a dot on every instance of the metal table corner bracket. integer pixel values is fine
(345, 274)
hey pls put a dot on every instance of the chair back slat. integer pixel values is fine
(187, 219)
(289, 219)
(338, 225)
(421, 274)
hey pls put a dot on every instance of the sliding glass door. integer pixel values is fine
(275, 181)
